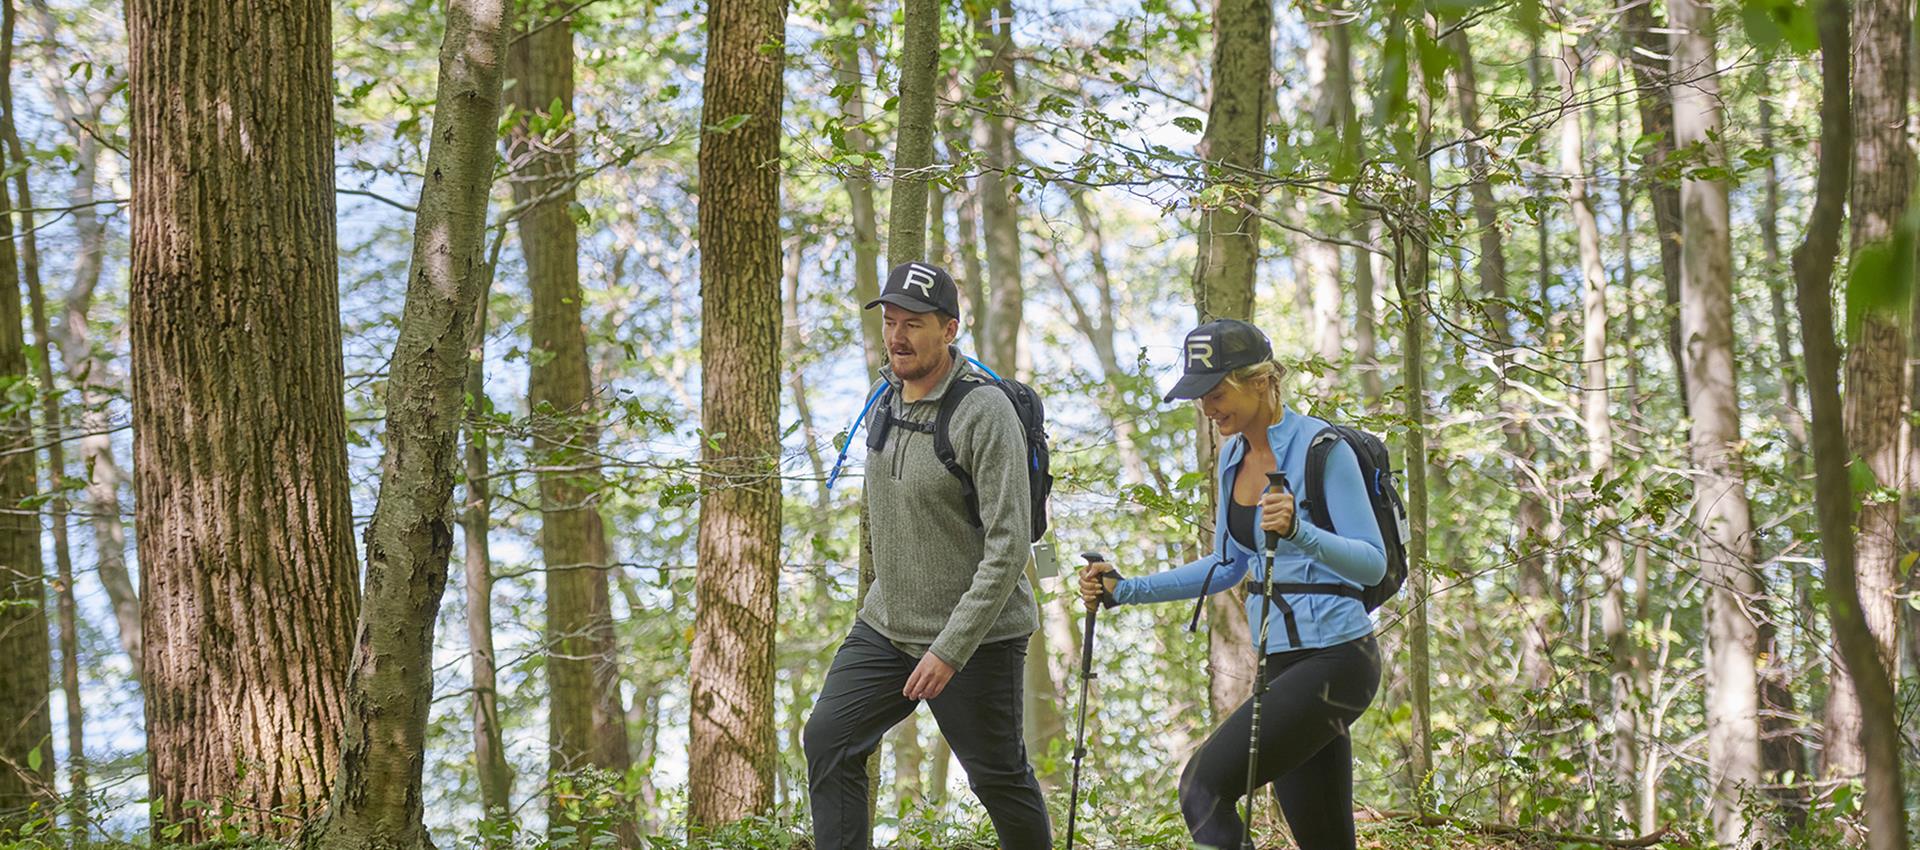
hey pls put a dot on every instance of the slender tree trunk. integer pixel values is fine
(732, 753)
(1598, 417)
(1229, 249)
(586, 725)
(909, 759)
(1326, 74)
(1530, 511)
(489, 748)
(1724, 536)
(89, 374)
(913, 146)
(26, 726)
(246, 544)
(1412, 272)
(849, 81)
(1776, 277)
(1876, 346)
(54, 436)
(1813, 263)
(966, 213)
(994, 134)
(377, 798)
(1656, 102)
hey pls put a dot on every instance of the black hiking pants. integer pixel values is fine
(1313, 695)
(978, 712)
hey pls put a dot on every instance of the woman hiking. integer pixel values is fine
(1322, 663)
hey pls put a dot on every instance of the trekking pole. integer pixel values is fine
(1275, 480)
(1086, 675)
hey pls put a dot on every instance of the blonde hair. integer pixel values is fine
(1269, 372)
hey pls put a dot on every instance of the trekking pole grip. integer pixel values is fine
(1277, 480)
(1086, 645)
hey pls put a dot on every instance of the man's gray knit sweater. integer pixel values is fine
(940, 584)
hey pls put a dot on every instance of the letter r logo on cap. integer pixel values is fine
(1199, 352)
(921, 278)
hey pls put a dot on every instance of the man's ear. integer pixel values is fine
(953, 330)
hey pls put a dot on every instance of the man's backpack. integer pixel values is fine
(1033, 421)
(1376, 472)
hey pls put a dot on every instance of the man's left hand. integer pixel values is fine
(928, 679)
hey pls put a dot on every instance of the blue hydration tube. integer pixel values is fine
(848, 442)
(864, 409)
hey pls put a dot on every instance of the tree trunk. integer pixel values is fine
(1776, 277)
(26, 727)
(908, 760)
(1411, 276)
(1724, 536)
(966, 214)
(732, 753)
(1656, 103)
(1598, 417)
(1876, 345)
(1530, 511)
(1327, 73)
(377, 798)
(246, 544)
(849, 81)
(54, 435)
(586, 725)
(1229, 248)
(994, 134)
(489, 748)
(913, 146)
(88, 373)
(1813, 274)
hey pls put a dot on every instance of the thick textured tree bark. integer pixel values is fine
(586, 725)
(1655, 101)
(1229, 247)
(53, 437)
(377, 798)
(732, 753)
(1724, 525)
(1813, 276)
(26, 728)
(847, 76)
(246, 546)
(489, 749)
(1876, 346)
(1530, 510)
(1598, 418)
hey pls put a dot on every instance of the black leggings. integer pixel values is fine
(1312, 697)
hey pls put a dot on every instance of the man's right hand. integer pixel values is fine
(1096, 581)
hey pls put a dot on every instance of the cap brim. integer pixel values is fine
(1193, 385)
(904, 301)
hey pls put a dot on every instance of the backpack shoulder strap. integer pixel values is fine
(943, 443)
(1318, 451)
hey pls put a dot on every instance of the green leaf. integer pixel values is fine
(1773, 24)
(33, 759)
(1879, 280)
(1860, 477)
(1189, 124)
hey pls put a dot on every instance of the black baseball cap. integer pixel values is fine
(1214, 349)
(920, 287)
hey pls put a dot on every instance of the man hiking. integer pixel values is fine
(950, 609)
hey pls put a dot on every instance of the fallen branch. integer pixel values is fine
(1484, 828)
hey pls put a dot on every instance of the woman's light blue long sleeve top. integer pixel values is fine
(1350, 553)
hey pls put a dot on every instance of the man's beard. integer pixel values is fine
(918, 370)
